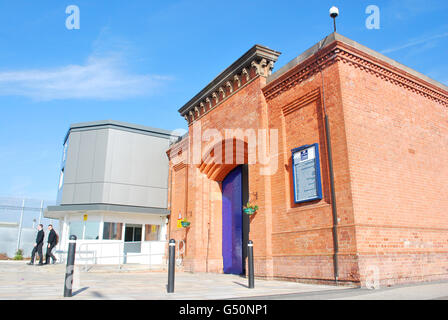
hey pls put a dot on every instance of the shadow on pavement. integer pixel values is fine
(241, 284)
(79, 291)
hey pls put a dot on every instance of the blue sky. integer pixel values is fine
(139, 61)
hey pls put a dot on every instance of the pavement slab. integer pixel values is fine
(19, 281)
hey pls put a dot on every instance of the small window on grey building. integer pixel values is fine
(76, 228)
(92, 230)
(152, 232)
(112, 231)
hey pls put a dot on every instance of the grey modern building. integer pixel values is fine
(113, 190)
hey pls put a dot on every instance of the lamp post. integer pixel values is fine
(334, 13)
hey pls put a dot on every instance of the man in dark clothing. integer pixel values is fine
(52, 241)
(38, 245)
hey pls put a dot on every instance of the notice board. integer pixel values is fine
(306, 173)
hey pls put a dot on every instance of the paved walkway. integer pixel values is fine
(19, 281)
(423, 291)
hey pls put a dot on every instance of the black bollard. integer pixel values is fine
(68, 284)
(171, 265)
(250, 262)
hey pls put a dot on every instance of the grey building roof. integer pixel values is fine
(120, 126)
(106, 208)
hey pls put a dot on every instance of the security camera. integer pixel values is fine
(334, 12)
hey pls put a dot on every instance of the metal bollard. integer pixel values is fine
(250, 262)
(171, 265)
(68, 284)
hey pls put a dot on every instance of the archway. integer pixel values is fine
(235, 224)
(234, 184)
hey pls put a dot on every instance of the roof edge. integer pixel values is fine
(120, 126)
(257, 52)
(336, 37)
(107, 207)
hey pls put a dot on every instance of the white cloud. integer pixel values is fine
(103, 78)
(406, 10)
(416, 42)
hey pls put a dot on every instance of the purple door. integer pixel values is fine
(232, 222)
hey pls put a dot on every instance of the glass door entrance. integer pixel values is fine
(132, 238)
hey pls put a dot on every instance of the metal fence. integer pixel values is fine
(149, 254)
(19, 218)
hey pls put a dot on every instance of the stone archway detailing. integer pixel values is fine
(214, 164)
(257, 62)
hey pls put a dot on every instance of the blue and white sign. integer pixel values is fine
(306, 173)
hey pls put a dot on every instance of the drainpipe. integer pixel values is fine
(170, 182)
(333, 202)
(330, 167)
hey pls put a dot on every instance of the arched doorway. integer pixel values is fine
(235, 224)
(232, 178)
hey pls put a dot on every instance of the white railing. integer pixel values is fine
(112, 252)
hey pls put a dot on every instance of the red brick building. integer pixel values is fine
(383, 211)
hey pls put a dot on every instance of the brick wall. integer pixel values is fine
(398, 149)
(302, 233)
(243, 110)
(390, 146)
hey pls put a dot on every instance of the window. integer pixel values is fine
(133, 233)
(91, 231)
(76, 228)
(132, 238)
(152, 232)
(85, 230)
(112, 231)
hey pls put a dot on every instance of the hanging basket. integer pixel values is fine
(185, 224)
(249, 211)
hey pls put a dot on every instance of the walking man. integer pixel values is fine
(38, 245)
(52, 242)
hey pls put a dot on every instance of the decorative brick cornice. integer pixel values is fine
(358, 59)
(258, 61)
(300, 73)
(339, 51)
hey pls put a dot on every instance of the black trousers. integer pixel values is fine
(37, 249)
(49, 254)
